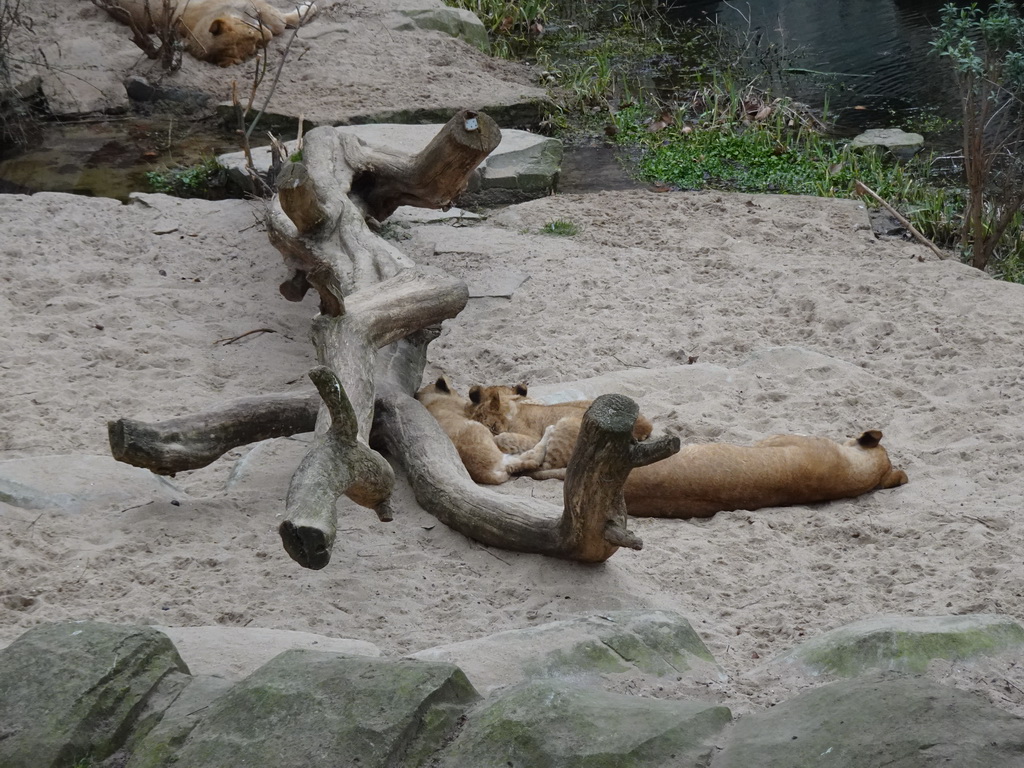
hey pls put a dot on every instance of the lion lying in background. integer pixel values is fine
(516, 421)
(223, 32)
(779, 471)
(485, 462)
(700, 480)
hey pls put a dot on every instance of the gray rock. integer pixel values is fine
(455, 22)
(555, 725)
(73, 483)
(268, 464)
(235, 652)
(878, 720)
(634, 644)
(158, 746)
(900, 643)
(524, 166)
(306, 709)
(902, 144)
(79, 689)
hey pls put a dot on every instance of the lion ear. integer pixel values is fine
(474, 393)
(218, 26)
(442, 385)
(521, 388)
(870, 439)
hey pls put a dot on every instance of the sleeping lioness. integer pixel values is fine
(515, 421)
(779, 471)
(223, 32)
(484, 461)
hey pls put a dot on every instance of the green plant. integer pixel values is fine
(511, 24)
(199, 180)
(560, 227)
(986, 51)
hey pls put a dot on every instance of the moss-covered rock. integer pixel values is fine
(901, 643)
(653, 644)
(874, 720)
(78, 690)
(456, 22)
(311, 708)
(551, 724)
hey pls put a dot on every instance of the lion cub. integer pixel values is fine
(484, 461)
(515, 421)
(780, 471)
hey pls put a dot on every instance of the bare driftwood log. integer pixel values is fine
(191, 442)
(371, 296)
(340, 460)
(378, 312)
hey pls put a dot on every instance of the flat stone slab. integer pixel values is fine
(558, 725)
(900, 643)
(877, 720)
(74, 483)
(523, 166)
(235, 652)
(634, 644)
(902, 144)
(455, 22)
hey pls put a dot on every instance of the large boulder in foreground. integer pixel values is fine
(78, 690)
(312, 708)
(900, 643)
(875, 720)
(636, 645)
(558, 725)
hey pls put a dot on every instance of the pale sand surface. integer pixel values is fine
(801, 322)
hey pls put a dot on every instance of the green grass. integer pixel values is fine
(202, 180)
(715, 125)
(560, 227)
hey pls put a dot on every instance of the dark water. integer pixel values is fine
(879, 50)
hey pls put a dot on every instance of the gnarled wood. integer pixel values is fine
(589, 528)
(337, 463)
(595, 520)
(378, 312)
(340, 462)
(191, 442)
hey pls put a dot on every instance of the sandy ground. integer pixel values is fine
(800, 320)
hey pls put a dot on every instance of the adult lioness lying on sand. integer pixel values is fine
(515, 421)
(223, 32)
(484, 461)
(779, 471)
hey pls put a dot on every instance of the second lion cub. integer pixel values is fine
(475, 445)
(517, 421)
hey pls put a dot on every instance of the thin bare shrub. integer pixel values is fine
(157, 39)
(16, 115)
(986, 50)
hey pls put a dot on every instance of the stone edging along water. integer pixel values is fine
(83, 694)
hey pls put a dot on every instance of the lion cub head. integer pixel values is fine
(495, 407)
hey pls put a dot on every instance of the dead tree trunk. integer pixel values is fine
(378, 311)
(592, 524)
